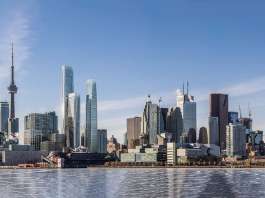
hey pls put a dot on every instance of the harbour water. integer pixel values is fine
(145, 182)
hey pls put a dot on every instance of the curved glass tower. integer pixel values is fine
(67, 87)
(74, 120)
(91, 138)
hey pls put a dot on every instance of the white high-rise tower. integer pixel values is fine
(91, 138)
(187, 106)
(67, 87)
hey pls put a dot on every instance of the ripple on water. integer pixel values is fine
(147, 182)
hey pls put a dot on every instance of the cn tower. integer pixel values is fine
(12, 90)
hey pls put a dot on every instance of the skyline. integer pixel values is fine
(158, 57)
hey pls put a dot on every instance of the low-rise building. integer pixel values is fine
(196, 152)
(171, 153)
(144, 154)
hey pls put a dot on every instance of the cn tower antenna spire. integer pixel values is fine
(12, 63)
(12, 89)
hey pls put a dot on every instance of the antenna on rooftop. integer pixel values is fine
(187, 87)
(249, 111)
(240, 112)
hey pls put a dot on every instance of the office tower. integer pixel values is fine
(4, 114)
(125, 139)
(82, 139)
(38, 127)
(163, 119)
(91, 140)
(13, 122)
(213, 137)
(233, 117)
(133, 131)
(102, 141)
(247, 122)
(203, 136)
(73, 118)
(67, 87)
(187, 106)
(235, 140)
(219, 108)
(150, 126)
(174, 123)
(192, 136)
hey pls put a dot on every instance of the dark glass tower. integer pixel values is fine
(219, 108)
(12, 90)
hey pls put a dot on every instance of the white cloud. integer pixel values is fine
(247, 87)
(17, 30)
(128, 103)
(117, 125)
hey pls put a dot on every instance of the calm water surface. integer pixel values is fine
(98, 182)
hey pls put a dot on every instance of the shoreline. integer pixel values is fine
(140, 167)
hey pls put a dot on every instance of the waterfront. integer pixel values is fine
(144, 182)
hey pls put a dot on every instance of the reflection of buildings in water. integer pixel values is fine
(26, 183)
(186, 182)
(219, 185)
(175, 177)
(146, 182)
(115, 180)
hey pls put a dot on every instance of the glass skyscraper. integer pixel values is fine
(67, 86)
(187, 106)
(91, 137)
(74, 119)
(4, 113)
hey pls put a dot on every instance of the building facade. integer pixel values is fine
(187, 106)
(174, 123)
(73, 137)
(67, 87)
(171, 153)
(102, 140)
(233, 117)
(219, 108)
(91, 138)
(4, 113)
(235, 140)
(150, 125)
(203, 136)
(213, 136)
(133, 131)
(38, 127)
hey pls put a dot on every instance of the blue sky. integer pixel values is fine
(133, 48)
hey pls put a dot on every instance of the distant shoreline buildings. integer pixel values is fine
(158, 135)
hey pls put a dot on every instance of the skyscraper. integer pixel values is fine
(187, 106)
(13, 122)
(233, 117)
(91, 138)
(133, 131)
(73, 116)
(4, 114)
(38, 127)
(213, 137)
(203, 136)
(219, 108)
(102, 140)
(67, 86)
(174, 124)
(150, 126)
(235, 140)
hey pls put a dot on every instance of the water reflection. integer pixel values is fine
(97, 182)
